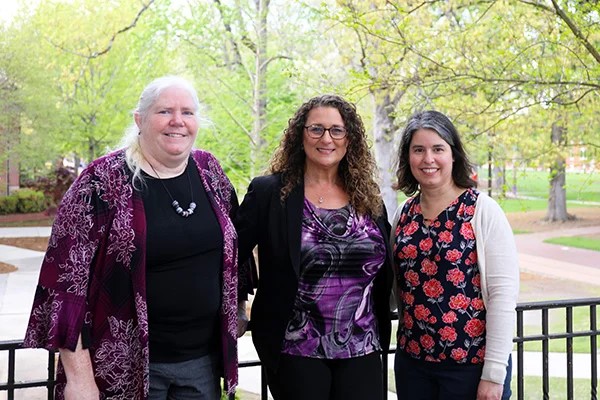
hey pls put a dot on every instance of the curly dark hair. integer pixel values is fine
(438, 122)
(357, 170)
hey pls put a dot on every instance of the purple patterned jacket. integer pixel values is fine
(98, 244)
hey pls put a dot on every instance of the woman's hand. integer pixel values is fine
(242, 325)
(82, 390)
(488, 390)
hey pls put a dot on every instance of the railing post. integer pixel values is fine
(520, 353)
(569, 348)
(594, 352)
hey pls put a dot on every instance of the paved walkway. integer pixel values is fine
(17, 288)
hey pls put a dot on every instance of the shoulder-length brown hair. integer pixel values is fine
(441, 124)
(357, 170)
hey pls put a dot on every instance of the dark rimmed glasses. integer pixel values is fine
(317, 131)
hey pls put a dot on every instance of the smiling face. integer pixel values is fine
(169, 128)
(430, 159)
(324, 152)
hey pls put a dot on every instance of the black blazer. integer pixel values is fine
(263, 220)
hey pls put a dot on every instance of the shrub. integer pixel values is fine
(54, 186)
(8, 205)
(30, 201)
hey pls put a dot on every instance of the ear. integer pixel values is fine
(138, 120)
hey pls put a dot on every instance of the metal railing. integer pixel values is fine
(523, 309)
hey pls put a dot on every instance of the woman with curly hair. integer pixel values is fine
(320, 318)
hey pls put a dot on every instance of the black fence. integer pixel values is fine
(548, 312)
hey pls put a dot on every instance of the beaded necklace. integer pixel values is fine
(175, 203)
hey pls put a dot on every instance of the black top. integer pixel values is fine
(183, 269)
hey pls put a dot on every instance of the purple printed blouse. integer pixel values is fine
(96, 249)
(333, 314)
(439, 284)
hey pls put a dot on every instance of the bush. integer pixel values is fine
(30, 201)
(8, 204)
(54, 186)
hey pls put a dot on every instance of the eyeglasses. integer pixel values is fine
(317, 131)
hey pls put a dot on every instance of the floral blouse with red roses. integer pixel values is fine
(443, 318)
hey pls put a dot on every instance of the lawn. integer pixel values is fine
(529, 183)
(581, 242)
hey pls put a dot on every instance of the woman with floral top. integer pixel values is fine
(456, 270)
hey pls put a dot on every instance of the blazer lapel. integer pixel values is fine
(294, 206)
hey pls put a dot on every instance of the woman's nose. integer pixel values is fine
(176, 118)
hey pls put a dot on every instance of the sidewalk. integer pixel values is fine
(17, 289)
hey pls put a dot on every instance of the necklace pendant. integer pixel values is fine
(320, 199)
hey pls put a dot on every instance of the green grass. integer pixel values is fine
(529, 183)
(533, 389)
(580, 242)
(524, 205)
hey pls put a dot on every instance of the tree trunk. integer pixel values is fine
(557, 199)
(384, 131)
(259, 110)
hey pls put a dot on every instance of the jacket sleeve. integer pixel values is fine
(498, 261)
(246, 224)
(60, 302)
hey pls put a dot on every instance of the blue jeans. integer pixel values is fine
(421, 380)
(197, 379)
(506, 393)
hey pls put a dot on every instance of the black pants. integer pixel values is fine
(421, 380)
(301, 378)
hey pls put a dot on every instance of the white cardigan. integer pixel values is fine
(499, 268)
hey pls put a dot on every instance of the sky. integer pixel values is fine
(8, 8)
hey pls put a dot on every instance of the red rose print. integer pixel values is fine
(466, 231)
(474, 360)
(397, 231)
(477, 304)
(448, 334)
(442, 356)
(453, 255)
(408, 298)
(432, 320)
(407, 320)
(427, 342)
(402, 342)
(456, 276)
(449, 317)
(422, 312)
(458, 354)
(449, 225)
(412, 278)
(475, 327)
(446, 236)
(470, 210)
(426, 244)
(410, 251)
(428, 267)
(437, 257)
(413, 348)
(433, 288)
(459, 302)
(410, 228)
(481, 353)
(473, 257)
(476, 281)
